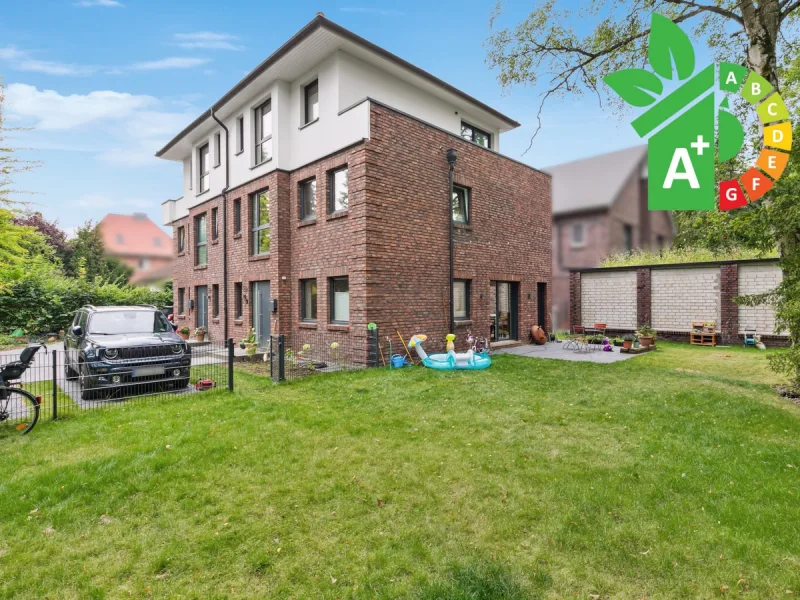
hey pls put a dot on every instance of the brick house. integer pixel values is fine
(600, 208)
(316, 197)
(141, 244)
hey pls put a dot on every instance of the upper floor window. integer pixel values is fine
(627, 231)
(461, 299)
(308, 300)
(191, 174)
(203, 163)
(577, 235)
(181, 238)
(200, 243)
(338, 191)
(215, 300)
(237, 216)
(340, 300)
(475, 135)
(311, 103)
(308, 199)
(660, 241)
(120, 238)
(214, 225)
(217, 149)
(143, 263)
(263, 132)
(239, 134)
(460, 204)
(260, 222)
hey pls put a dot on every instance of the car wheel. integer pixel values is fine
(87, 393)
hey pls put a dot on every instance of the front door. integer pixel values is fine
(541, 303)
(505, 315)
(261, 312)
(201, 295)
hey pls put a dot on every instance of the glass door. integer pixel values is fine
(202, 307)
(504, 326)
(261, 322)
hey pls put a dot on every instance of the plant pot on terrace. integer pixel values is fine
(627, 342)
(647, 336)
(184, 332)
(199, 334)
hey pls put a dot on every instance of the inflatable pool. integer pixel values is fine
(450, 361)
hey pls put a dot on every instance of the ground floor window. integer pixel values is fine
(340, 300)
(237, 291)
(461, 299)
(308, 300)
(215, 300)
(181, 300)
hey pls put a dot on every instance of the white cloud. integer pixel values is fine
(22, 60)
(90, 3)
(207, 40)
(173, 62)
(374, 11)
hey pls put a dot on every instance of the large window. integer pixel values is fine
(200, 243)
(215, 300)
(338, 191)
(340, 300)
(311, 104)
(214, 224)
(237, 216)
(259, 210)
(181, 300)
(237, 300)
(239, 134)
(475, 135)
(461, 204)
(263, 132)
(181, 238)
(461, 299)
(308, 300)
(203, 162)
(308, 199)
(577, 235)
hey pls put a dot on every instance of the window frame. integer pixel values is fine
(217, 149)
(259, 138)
(627, 236)
(467, 201)
(474, 131)
(204, 179)
(577, 243)
(332, 300)
(332, 191)
(238, 310)
(181, 301)
(306, 106)
(181, 239)
(256, 229)
(214, 224)
(239, 134)
(200, 241)
(303, 316)
(237, 216)
(215, 300)
(467, 288)
(301, 197)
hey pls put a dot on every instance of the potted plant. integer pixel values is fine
(617, 341)
(184, 332)
(647, 335)
(200, 334)
(627, 341)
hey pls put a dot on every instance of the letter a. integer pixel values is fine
(731, 78)
(681, 157)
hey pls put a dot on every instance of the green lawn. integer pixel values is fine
(671, 475)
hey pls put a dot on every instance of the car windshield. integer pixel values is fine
(128, 321)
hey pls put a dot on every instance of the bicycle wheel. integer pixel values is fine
(19, 411)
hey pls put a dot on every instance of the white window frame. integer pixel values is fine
(204, 177)
(217, 149)
(239, 134)
(577, 241)
(261, 141)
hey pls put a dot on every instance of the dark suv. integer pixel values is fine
(115, 347)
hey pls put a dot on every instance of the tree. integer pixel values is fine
(53, 237)
(86, 257)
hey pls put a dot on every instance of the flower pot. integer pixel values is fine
(646, 341)
(184, 335)
(618, 344)
(199, 336)
(627, 345)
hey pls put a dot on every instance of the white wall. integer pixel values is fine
(610, 298)
(757, 279)
(680, 296)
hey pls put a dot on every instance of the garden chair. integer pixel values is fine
(577, 331)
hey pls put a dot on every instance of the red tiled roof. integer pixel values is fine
(134, 235)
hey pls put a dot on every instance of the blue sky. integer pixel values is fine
(105, 83)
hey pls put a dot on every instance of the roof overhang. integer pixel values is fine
(314, 42)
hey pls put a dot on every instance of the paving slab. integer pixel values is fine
(556, 351)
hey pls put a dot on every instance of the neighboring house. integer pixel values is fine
(600, 208)
(141, 244)
(328, 208)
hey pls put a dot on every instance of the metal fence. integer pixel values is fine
(66, 386)
(308, 352)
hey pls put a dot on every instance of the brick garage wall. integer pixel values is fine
(609, 298)
(680, 296)
(757, 279)
(407, 215)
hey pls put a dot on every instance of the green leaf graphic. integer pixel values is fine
(668, 42)
(636, 86)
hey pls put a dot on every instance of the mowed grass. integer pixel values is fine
(671, 475)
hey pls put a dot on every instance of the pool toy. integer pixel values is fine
(451, 346)
(451, 360)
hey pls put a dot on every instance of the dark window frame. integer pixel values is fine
(239, 134)
(255, 229)
(203, 155)
(215, 300)
(260, 140)
(307, 114)
(467, 290)
(301, 196)
(303, 316)
(467, 203)
(181, 239)
(200, 241)
(238, 303)
(627, 236)
(214, 224)
(217, 149)
(237, 216)
(181, 300)
(474, 132)
(332, 300)
(332, 210)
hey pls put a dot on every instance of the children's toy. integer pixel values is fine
(468, 360)
(205, 384)
(398, 361)
(749, 337)
(451, 346)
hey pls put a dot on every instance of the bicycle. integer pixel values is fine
(19, 409)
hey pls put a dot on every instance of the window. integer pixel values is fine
(475, 135)
(660, 241)
(143, 263)
(237, 216)
(237, 293)
(181, 300)
(240, 134)
(308, 300)
(461, 299)
(202, 161)
(263, 132)
(259, 211)
(181, 238)
(308, 199)
(214, 225)
(157, 242)
(120, 238)
(200, 244)
(311, 102)
(215, 300)
(340, 300)
(217, 149)
(191, 173)
(577, 235)
(627, 231)
(338, 191)
(460, 204)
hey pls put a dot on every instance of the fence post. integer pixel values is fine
(230, 364)
(55, 384)
(281, 366)
(373, 341)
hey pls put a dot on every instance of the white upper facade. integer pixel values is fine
(310, 99)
